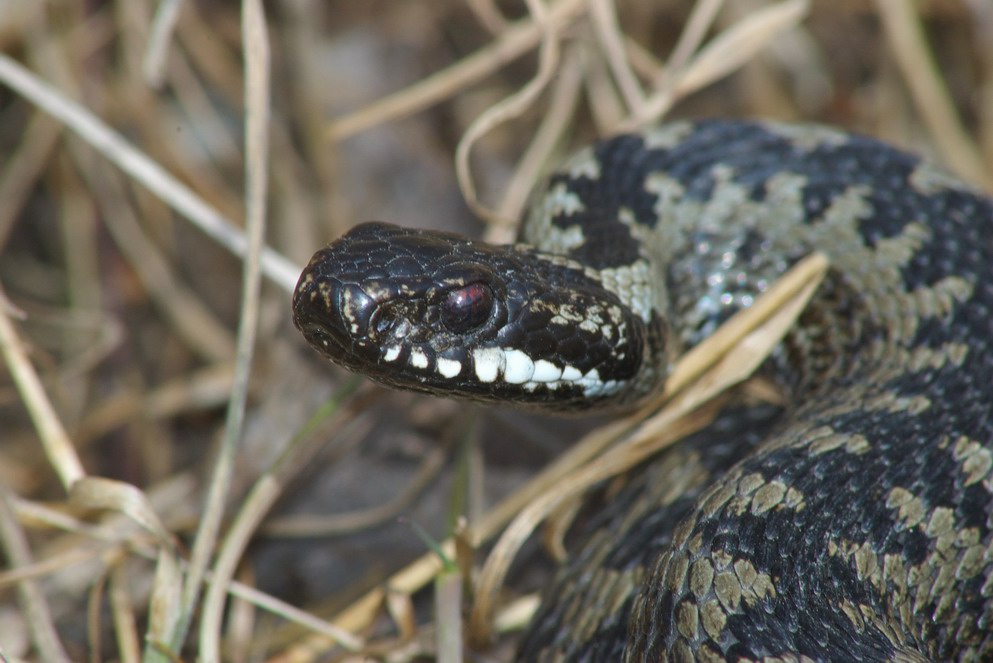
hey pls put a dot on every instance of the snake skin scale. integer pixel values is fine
(854, 525)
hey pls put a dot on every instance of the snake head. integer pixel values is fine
(440, 313)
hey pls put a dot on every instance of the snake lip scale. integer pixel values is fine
(855, 525)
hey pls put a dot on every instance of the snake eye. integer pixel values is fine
(466, 308)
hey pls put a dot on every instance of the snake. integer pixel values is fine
(854, 523)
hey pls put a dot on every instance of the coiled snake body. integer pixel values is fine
(857, 525)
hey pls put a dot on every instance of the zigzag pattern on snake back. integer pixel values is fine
(854, 526)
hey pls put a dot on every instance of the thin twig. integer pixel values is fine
(258, 110)
(36, 612)
(728, 51)
(604, 19)
(557, 119)
(143, 169)
(23, 167)
(913, 54)
(512, 44)
(511, 107)
(157, 50)
(54, 439)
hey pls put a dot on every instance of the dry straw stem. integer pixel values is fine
(240, 625)
(356, 521)
(94, 612)
(257, 93)
(604, 19)
(168, 578)
(509, 108)
(401, 610)
(602, 98)
(157, 50)
(690, 37)
(139, 166)
(23, 168)
(723, 54)
(746, 337)
(258, 503)
(294, 614)
(200, 389)
(122, 611)
(14, 544)
(913, 55)
(187, 315)
(517, 40)
(54, 439)
(108, 494)
(516, 614)
(554, 123)
(488, 15)
(728, 51)
(448, 616)
(49, 565)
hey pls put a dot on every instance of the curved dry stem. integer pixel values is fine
(54, 438)
(726, 52)
(14, 543)
(258, 112)
(557, 119)
(143, 169)
(921, 74)
(509, 108)
(676, 422)
(604, 19)
(345, 523)
(517, 40)
(157, 50)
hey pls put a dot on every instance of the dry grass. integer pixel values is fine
(161, 426)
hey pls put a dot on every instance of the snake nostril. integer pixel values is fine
(387, 322)
(382, 322)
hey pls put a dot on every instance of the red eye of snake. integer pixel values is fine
(467, 307)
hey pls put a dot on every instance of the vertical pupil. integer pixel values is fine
(468, 307)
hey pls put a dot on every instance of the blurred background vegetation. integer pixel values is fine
(126, 313)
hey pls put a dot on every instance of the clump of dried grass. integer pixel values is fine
(80, 547)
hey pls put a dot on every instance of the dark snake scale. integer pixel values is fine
(856, 524)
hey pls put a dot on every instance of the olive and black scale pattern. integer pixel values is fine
(852, 525)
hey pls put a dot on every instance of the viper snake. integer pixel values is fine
(852, 525)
